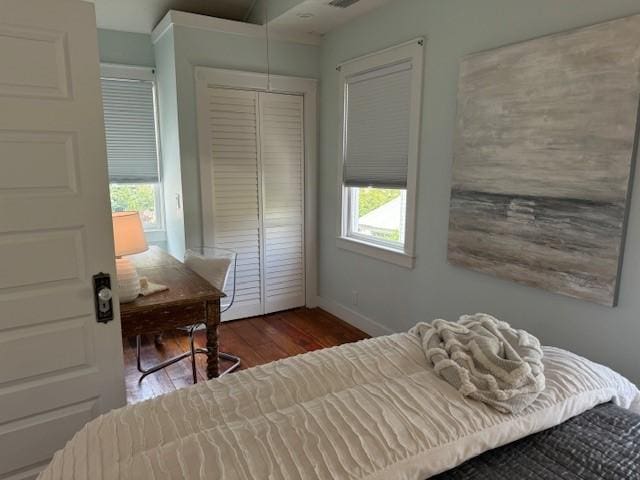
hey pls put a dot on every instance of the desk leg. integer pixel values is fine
(213, 321)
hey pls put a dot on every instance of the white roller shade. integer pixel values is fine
(130, 130)
(377, 113)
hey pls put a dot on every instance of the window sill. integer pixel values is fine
(155, 235)
(379, 252)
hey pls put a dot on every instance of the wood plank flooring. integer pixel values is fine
(256, 340)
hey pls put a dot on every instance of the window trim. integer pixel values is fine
(380, 252)
(159, 195)
(414, 52)
(135, 72)
(127, 72)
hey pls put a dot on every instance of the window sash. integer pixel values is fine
(131, 130)
(158, 225)
(353, 222)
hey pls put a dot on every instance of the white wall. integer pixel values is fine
(397, 298)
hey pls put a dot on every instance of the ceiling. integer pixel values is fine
(142, 15)
(315, 17)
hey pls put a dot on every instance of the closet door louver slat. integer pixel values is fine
(282, 154)
(234, 176)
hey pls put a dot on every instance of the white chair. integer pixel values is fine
(218, 267)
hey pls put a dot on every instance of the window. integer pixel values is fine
(144, 198)
(381, 95)
(378, 215)
(130, 119)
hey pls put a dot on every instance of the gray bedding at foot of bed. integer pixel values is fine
(600, 444)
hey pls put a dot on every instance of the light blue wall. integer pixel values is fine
(164, 50)
(396, 297)
(197, 47)
(125, 48)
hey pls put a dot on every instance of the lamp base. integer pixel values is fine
(128, 281)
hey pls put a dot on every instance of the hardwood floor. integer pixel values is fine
(255, 340)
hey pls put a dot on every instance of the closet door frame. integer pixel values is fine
(207, 77)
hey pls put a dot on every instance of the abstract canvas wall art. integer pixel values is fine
(544, 150)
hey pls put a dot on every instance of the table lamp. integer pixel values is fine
(129, 239)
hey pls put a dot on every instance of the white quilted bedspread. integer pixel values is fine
(369, 410)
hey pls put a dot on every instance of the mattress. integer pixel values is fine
(368, 410)
(602, 443)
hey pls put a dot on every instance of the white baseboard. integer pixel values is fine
(354, 318)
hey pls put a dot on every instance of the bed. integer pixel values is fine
(370, 410)
(601, 443)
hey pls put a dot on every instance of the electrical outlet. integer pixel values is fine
(354, 297)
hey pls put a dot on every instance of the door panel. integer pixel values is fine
(58, 366)
(65, 421)
(231, 184)
(46, 73)
(282, 160)
(37, 162)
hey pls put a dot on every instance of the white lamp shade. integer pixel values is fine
(128, 234)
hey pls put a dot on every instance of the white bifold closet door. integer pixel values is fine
(253, 194)
(282, 153)
(233, 181)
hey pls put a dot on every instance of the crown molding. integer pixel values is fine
(203, 22)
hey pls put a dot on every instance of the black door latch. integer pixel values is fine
(103, 297)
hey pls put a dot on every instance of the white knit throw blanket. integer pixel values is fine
(485, 359)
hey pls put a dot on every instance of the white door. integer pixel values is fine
(252, 183)
(58, 366)
(282, 161)
(230, 184)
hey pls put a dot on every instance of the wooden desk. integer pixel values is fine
(189, 300)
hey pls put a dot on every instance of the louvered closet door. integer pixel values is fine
(282, 155)
(234, 174)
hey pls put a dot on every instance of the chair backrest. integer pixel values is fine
(215, 265)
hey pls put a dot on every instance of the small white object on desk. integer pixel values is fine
(149, 288)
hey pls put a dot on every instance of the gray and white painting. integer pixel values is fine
(544, 148)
